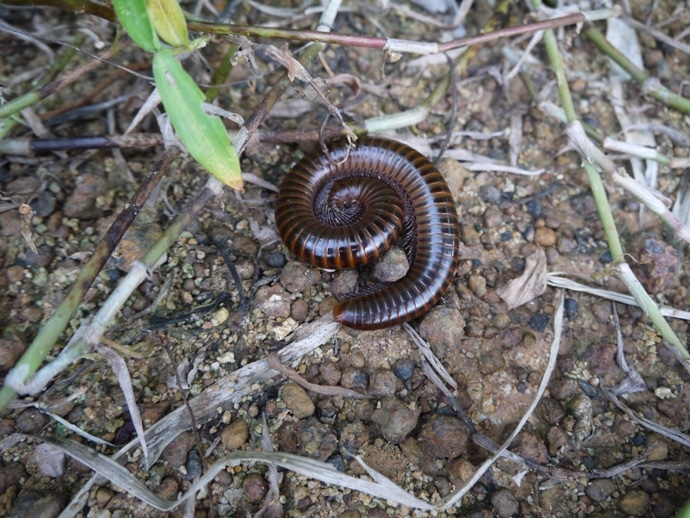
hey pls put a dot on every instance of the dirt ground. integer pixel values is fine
(190, 311)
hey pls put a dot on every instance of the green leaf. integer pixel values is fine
(204, 136)
(685, 512)
(135, 19)
(168, 19)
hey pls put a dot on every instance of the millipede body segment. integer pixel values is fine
(346, 208)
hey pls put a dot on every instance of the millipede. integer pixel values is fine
(346, 207)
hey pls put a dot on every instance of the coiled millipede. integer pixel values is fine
(347, 207)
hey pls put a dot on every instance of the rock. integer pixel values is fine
(351, 438)
(330, 373)
(299, 310)
(384, 383)
(37, 504)
(50, 460)
(443, 327)
(635, 502)
(444, 437)
(297, 401)
(103, 496)
(460, 470)
(544, 236)
(81, 203)
(404, 368)
(395, 420)
(344, 282)
(167, 489)
(10, 475)
(296, 276)
(504, 503)
(308, 437)
(31, 421)
(657, 263)
(600, 489)
(556, 437)
(11, 348)
(354, 378)
(175, 453)
(530, 446)
(276, 260)
(550, 411)
(273, 301)
(477, 284)
(393, 266)
(491, 361)
(193, 464)
(254, 487)
(235, 435)
(539, 322)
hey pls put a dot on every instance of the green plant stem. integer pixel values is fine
(595, 182)
(650, 85)
(221, 73)
(53, 328)
(620, 267)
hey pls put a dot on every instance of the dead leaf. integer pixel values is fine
(529, 285)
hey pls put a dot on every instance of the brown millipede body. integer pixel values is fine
(345, 208)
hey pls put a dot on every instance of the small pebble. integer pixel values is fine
(460, 470)
(37, 504)
(299, 310)
(534, 208)
(297, 401)
(384, 383)
(50, 460)
(517, 264)
(545, 236)
(539, 322)
(393, 266)
(354, 378)
(168, 488)
(404, 368)
(357, 359)
(31, 421)
(297, 276)
(477, 284)
(344, 282)
(276, 260)
(530, 446)
(235, 435)
(352, 437)
(444, 437)
(254, 487)
(103, 496)
(556, 437)
(600, 489)
(194, 464)
(550, 410)
(273, 301)
(571, 307)
(490, 194)
(10, 474)
(491, 361)
(81, 203)
(11, 348)
(444, 327)
(330, 373)
(395, 420)
(634, 502)
(504, 503)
